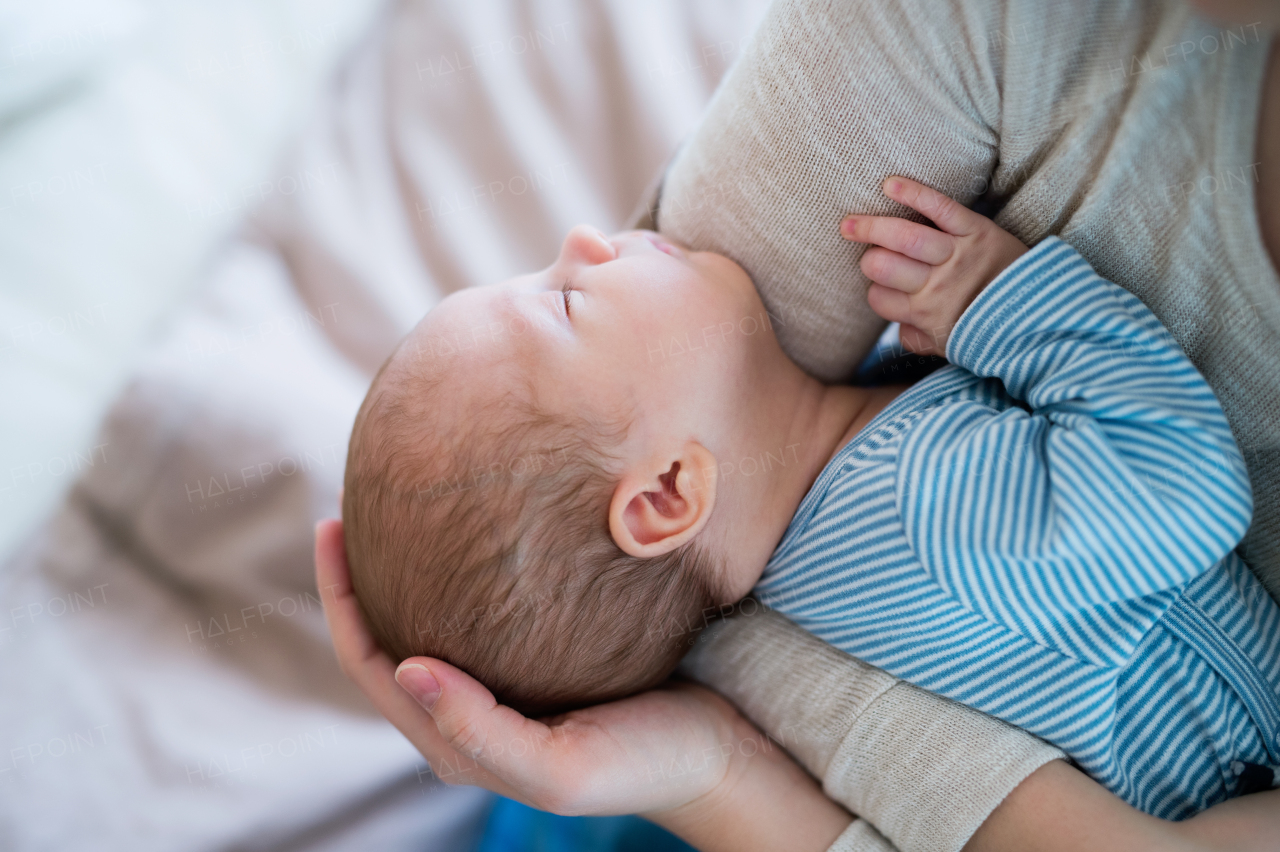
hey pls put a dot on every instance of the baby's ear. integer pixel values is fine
(663, 503)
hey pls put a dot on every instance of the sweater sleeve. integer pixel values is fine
(1117, 478)
(827, 100)
(922, 772)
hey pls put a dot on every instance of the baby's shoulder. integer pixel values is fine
(947, 388)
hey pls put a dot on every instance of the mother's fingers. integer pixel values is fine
(373, 671)
(351, 641)
(524, 754)
(358, 653)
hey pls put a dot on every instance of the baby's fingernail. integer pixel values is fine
(420, 683)
(849, 226)
(892, 185)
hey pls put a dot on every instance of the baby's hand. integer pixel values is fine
(925, 278)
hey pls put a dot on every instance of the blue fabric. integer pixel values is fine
(1044, 530)
(513, 827)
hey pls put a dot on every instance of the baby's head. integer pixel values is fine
(531, 477)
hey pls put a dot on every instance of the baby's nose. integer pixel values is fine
(585, 244)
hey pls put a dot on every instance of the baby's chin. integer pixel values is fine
(727, 271)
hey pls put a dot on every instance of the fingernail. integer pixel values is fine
(420, 683)
(892, 185)
(848, 226)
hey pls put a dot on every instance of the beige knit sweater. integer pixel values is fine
(1127, 128)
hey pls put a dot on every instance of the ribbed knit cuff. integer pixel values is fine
(861, 836)
(801, 691)
(928, 771)
(923, 770)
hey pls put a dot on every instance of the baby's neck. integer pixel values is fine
(814, 427)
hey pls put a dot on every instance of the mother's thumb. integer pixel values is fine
(417, 680)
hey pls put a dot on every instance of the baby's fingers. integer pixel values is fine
(911, 239)
(890, 269)
(947, 213)
(893, 305)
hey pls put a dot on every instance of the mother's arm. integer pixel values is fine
(828, 100)
(680, 755)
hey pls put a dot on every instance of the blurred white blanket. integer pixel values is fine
(169, 682)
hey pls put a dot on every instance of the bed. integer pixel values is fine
(256, 202)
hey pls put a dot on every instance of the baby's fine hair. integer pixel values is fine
(486, 544)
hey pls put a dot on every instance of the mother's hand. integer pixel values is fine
(656, 752)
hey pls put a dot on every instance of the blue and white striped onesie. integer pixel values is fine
(1043, 530)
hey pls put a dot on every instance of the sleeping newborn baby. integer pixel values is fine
(554, 481)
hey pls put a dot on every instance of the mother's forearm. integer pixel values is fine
(927, 772)
(766, 803)
(1059, 809)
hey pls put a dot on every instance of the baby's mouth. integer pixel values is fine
(662, 245)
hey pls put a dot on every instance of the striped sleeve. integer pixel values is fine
(1116, 479)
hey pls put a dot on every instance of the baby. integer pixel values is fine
(554, 480)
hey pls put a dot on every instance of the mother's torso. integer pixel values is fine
(1128, 129)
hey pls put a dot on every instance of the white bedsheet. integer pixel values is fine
(134, 134)
(169, 682)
